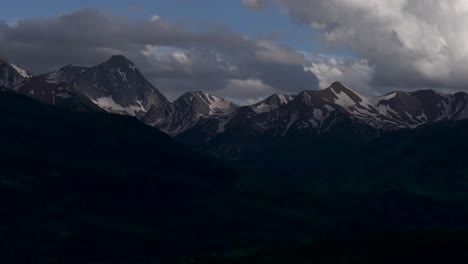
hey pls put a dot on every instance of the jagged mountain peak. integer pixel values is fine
(279, 99)
(115, 85)
(338, 86)
(12, 76)
(308, 99)
(6, 63)
(52, 92)
(193, 94)
(119, 61)
(203, 103)
(113, 61)
(200, 94)
(67, 67)
(341, 95)
(271, 103)
(190, 108)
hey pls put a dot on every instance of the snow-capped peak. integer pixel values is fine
(119, 61)
(192, 107)
(116, 85)
(203, 103)
(12, 76)
(341, 95)
(271, 103)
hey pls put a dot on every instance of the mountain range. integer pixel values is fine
(202, 119)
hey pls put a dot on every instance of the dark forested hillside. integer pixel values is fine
(101, 188)
(94, 187)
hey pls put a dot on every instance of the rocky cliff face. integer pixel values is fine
(116, 86)
(12, 76)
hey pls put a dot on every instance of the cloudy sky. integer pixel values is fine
(247, 49)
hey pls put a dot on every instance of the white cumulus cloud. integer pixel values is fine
(411, 43)
(354, 73)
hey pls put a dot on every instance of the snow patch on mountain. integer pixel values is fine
(271, 103)
(12, 76)
(292, 119)
(108, 104)
(343, 100)
(20, 71)
(216, 104)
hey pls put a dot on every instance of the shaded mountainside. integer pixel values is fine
(432, 157)
(415, 247)
(412, 179)
(419, 177)
(97, 187)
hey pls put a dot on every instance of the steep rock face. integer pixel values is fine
(188, 109)
(116, 86)
(11, 76)
(244, 118)
(271, 103)
(56, 93)
(45, 88)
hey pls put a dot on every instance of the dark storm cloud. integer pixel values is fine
(180, 59)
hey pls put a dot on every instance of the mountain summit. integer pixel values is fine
(11, 76)
(271, 103)
(115, 85)
(188, 109)
(119, 60)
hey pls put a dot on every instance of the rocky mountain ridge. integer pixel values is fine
(117, 86)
